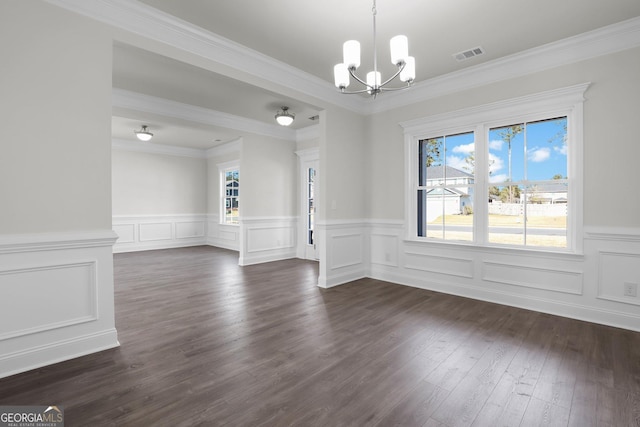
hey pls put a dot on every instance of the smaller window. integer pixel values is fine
(230, 195)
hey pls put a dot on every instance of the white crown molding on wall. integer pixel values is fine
(146, 21)
(151, 104)
(149, 22)
(153, 148)
(606, 40)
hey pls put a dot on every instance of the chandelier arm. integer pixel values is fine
(354, 92)
(391, 89)
(400, 68)
(358, 79)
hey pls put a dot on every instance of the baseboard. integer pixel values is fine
(150, 232)
(543, 305)
(61, 304)
(55, 352)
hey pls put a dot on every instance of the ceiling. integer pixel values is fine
(309, 36)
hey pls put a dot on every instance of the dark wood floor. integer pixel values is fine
(205, 342)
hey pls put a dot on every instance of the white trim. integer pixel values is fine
(234, 146)
(154, 148)
(567, 101)
(151, 104)
(13, 243)
(308, 133)
(162, 27)
(266, 239)
(625, 234)
(48, 354)
(57, 266)
(151, 232)
(603, 41)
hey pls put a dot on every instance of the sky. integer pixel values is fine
(544, 157)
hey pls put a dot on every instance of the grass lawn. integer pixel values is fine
(507, 220)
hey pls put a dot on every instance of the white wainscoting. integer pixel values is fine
(588, 287)
(146, 232)
(267, 239)
(57, 298)
(222, 235)
(343, 251)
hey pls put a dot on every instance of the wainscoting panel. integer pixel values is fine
(47, 297)
(190, 229)
(152, 232)
(344, 255)
(533, 277)
(57, 298)
(146, 232)
(222, 235)
(451, 266)
(267, 239)
(384, 249)
(616, 270)
(587, 286)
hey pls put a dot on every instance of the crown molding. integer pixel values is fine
(307, 133)
(234, 146)
(152, 148)
(146, 21)
(606, 40)
(139, 18)
(151, 104)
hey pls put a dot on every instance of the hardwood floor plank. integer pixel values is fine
(207, 342)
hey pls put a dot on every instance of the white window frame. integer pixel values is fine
(223, 168)
(554, 103)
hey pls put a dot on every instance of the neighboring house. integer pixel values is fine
(451, 199)
(550, 193)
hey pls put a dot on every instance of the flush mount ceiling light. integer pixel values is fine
(143, 134)
(399, 57)
(284, 117)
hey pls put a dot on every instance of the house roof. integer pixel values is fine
(551, 187)
(438, 172)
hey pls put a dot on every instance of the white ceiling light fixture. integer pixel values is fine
(143, 134)
(399, 57)
(284, 117)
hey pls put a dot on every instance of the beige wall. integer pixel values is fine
(268, 179)
(158, 184)
(343, 150)
(55, 167)
(611, 142)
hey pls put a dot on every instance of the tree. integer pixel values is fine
(509, 193)
(433, 153)
(507, 134)
(557, 176)
(470, 163)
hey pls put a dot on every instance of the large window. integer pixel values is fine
(505, 174)
(446, 187)
(230, 195)
(528, 186)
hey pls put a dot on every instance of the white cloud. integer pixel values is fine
(561, 150)
(496, 144)
(539, 154)
(495, 163)
(458, 163)
(464, 149)
(498, 178)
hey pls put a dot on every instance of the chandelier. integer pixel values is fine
(399, 57)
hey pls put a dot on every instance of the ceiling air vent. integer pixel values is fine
(468, 54)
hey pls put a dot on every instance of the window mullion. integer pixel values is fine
(480, 194)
